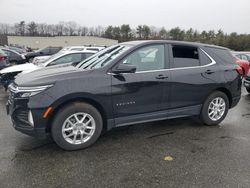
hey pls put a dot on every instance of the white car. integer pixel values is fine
(8, 74)
(81, 48)
(40, 59)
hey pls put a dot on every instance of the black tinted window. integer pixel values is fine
(185, 56)
(224, 55)
(45, 51)
(54, 50)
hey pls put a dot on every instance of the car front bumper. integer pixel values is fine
(18, 111)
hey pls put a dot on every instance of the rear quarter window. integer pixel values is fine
(221, 55)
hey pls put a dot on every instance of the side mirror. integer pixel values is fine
(124, 68)
(41, 53)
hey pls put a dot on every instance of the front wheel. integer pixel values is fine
(76, 126)
(215, 108)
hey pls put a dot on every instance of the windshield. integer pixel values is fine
(44, 62)
(103, 57)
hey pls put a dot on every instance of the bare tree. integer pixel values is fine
(32, 28)
(5, 28)
(20, 28)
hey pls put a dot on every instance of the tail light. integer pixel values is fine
(239, 70)
(2, 58)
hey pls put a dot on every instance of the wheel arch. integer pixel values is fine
(68, 100)
(227, 92)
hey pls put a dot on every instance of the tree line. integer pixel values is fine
(124, 32)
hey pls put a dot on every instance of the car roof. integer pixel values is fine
(13, 51)
(141, 42)
(77, 51)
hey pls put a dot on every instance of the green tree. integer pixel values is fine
(145, 32)
(177, 34)
(108, 32)
(125, 32)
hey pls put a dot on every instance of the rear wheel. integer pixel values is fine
(215, 108)
(76, 126)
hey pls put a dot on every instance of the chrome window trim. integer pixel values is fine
(213, 62)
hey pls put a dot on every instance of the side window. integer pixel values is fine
(221, 55)
(54, 50)
(244, 57)
(204, 59)
(7, 52)
(185, 56)
(12, 54)
(147, 58)
(45, 51)
(86, 55)
(71, 58)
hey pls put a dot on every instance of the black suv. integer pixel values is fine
(42, 52)
(124, 84)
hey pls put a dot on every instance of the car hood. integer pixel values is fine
(49, 75)
(19, 68)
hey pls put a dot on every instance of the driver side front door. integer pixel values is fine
(138, 96)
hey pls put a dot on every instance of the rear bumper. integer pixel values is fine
(235, 101)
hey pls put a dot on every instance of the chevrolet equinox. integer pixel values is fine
(128, 83)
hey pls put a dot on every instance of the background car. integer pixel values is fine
(17, 49)
(3, 60)
(247, 82)
(242, 55)
(14, 57)
(80, 48)
(42, 52)
(61, 58)
(244, 65)
(40, 59)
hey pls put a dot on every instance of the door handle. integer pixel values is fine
(161, 76)
(209, 72)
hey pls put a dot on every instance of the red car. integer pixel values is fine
(244, 65)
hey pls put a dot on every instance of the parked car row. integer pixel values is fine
(14, 57)
(8, 74)
(4, 62)
(128, 83)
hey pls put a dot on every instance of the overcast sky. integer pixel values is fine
(228, 15)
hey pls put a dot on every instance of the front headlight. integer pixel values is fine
(24, 92)
(23, 56)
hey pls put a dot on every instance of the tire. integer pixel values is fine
(248, 90)
(217, 111)
(65, 119)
